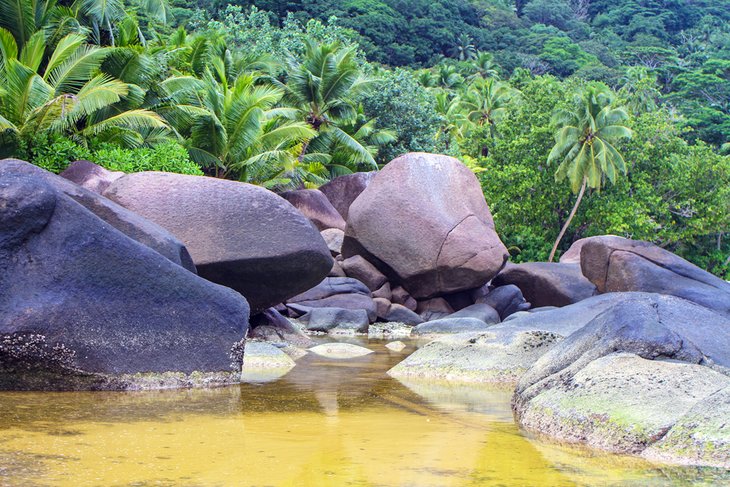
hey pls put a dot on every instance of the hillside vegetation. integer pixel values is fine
(600, 117)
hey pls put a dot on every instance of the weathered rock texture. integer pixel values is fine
(127, 222)
(424, 221)
(315, 206)
(343, 190)
(90, 176)
(503, 352)
(624, 380)
(617, 264)
(239, 235)
(547, 283)
(83, 306)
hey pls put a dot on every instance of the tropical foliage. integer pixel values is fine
(291, 94)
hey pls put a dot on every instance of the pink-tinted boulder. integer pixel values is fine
(315, 206)
(423, 219)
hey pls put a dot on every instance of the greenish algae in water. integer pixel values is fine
(325, 423)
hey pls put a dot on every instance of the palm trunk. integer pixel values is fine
(570, 219)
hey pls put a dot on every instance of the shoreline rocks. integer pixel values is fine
(625, 379)
(84, 306)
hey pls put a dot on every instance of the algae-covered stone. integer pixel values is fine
(621, 402)
(701, 436)
(500, 355)
(389, 330)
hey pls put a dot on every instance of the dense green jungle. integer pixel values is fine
(621, 106)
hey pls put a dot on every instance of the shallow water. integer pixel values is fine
(325, 423)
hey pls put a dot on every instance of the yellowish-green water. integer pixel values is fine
(325, 423)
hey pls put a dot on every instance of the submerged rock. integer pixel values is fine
(339, 350)
(239, 235)
(423, 217)
(264, 362)
(396, 346)
(83, 306)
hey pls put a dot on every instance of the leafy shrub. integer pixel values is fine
(54, 153)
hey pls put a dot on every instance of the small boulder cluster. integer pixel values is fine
(413, 244)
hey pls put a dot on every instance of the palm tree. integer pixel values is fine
(321, 90)
(640, 90)
(464, 48)
(337, 158)
(484, 66)
(237, 129)
(65, 94)
(448, 76)
(584, 145)
(454, 120)
(486, 102)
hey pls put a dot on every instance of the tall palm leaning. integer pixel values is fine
(584, 145)
(321, 89)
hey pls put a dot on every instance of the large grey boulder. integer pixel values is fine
(331, 286)
(315, 206)
(572, 255)
(83, 306)
(434, 309)
(626, 378)
(424, 221)
(131, 224)
(449, 325)
(239, 235)
(547, 283)
(480, 311)
(333, 238)
(90, 176)
(343, 190)
(362, 270)
(616, 264)
(503, 352)
(398, 313)
(336, 292)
